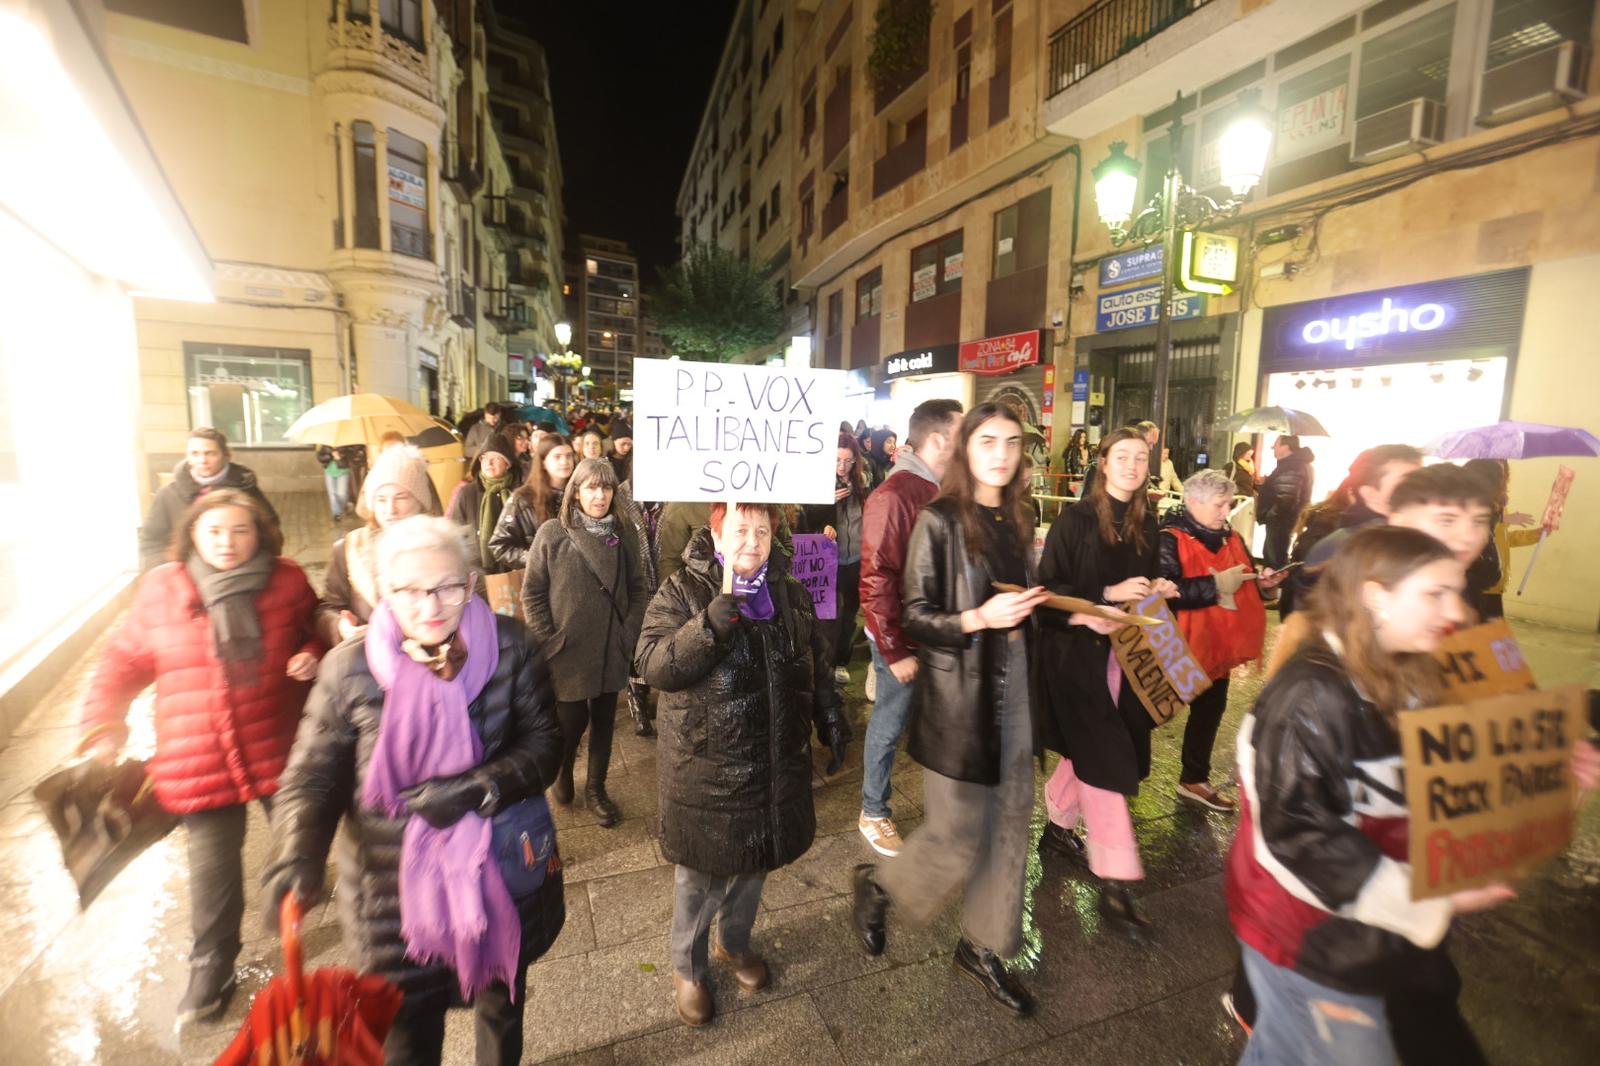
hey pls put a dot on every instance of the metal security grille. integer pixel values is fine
(1191, 395)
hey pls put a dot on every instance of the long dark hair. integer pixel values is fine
(961, 488)
(857, 479)
(1387, 555)
(537, 489)
(1100, 498)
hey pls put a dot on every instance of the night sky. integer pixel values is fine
(629, 83)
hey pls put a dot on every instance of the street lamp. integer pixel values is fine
(563, 334)
(1243, 149)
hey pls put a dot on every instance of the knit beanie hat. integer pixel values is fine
(400, 466)
(620, 430)
(501, 445)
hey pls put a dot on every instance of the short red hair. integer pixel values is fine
(720, 511)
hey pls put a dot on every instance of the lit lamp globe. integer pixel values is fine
(563, 333)
(1244, 147)
(1116, 184)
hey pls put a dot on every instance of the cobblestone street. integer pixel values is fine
(102, 986)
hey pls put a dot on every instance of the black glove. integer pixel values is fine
(301, 876)
(722, 614)
(442, 801)
(836, 763)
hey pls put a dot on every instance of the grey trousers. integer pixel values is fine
(975, 837)
(699, 898)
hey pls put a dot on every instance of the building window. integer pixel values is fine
(869, 295)
(936, 268)
(338, 190)
(777, 122)
(224, 19)
(772, 210)
(402, 19)
(1518, 27)
(836, 313)
(1000, 80)
(1406, 63)
(761, 221)
(1005, 241)
(368, 232)
(808, 119)
(777, 39)
(253, 395)
(408, 197)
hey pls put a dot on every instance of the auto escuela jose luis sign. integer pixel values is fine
(1129, 308)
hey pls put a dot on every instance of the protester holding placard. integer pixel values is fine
(972, 727)
(1219, 611)
(584, 596)
(840, 521)
(1318, 883)
(741, 665)
(1103, 550)
(535, 502)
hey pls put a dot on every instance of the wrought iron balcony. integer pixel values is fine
(1106, 31)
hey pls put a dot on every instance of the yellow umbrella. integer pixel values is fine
(361, 418)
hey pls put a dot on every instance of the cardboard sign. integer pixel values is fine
(711, 431)
(1483, 661)
(1157, 662)
(1488, 787)
(504, 593)
(1073, 605)
(816, 566)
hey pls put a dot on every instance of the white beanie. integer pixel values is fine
(403, 466)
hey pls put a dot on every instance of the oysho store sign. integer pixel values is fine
(1478, 316)
(1000, 355)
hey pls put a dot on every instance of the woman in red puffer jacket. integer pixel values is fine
(228, 633)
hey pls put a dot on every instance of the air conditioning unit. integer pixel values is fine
(1550, 77)
(1411, 126)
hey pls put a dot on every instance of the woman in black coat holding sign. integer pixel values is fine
(1104, 550)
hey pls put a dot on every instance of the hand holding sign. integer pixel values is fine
(1006, 610)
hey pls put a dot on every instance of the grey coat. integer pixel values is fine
(584, 601)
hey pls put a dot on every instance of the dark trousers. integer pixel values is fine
(848, 592)
(599, 716)
(1200, 733)
(1275, 551)
(216, 882)
(417, 1038)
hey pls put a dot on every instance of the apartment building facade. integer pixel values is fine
(337, 160)
(603, 284)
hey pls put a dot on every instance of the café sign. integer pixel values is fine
(1000, 355)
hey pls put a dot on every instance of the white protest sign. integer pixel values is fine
(711, 431)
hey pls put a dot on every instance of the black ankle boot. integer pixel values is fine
(871, 909)
(984, 967)
(562, 790)
(1120, 912)
(605, 812)
(1067, 843)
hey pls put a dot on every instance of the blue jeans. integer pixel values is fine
(338, 492)
(888, 721)
(1302, 1023)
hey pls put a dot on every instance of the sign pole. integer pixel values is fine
(1172, 187)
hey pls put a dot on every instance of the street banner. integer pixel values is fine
(1488, 787)
(1157, 662)
(816, 566)
(1483, 661)
(708, 432)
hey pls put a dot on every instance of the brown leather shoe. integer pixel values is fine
(693, 1000)
(749, 969)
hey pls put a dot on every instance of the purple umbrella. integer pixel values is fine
(1515, 440)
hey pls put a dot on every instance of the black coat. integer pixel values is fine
(172, 503)
(514, 532)
(584, 600)
(961, 677)
(514, 717)
(1107, 740)
(735, 718)
(1287, 490)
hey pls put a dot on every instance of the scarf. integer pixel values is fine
(230, 601)
(495, 492)
(604, 528)
(361, 563)
(454, 906)
(210, 482)
(755, 595)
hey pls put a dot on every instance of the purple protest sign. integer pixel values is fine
(816, 566)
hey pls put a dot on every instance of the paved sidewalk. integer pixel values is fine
(102, 986)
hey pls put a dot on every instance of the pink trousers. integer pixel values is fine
(1113, 851)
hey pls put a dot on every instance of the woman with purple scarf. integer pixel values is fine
(742, 665)
(434, 736)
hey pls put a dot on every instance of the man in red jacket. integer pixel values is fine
(886, 524)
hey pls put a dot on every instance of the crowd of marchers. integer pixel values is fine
(397, 719)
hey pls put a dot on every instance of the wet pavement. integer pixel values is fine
(102, 986)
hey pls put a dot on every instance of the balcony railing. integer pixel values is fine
(900, 162)
(836, 211)
(836, 123)
(405, 240)
(1107, 30)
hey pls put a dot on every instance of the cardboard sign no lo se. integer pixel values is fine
(1157, 662)
(715, 431)
(816, 566)
(1488, 787)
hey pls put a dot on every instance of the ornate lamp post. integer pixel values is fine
(1244, 147)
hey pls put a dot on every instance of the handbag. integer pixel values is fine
(523, 840)
(105, 815)
(504, 593)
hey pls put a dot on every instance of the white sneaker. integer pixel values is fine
(872, 684)
(841, 676)
(881, 834)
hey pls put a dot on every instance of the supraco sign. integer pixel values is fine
(1353, 329)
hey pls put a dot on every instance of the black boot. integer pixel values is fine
(211, 985)
(871, 909)
(639, 709)
(1121, 914)
(1067, 843)
(562, 790)
(984, 967)
(605, 812)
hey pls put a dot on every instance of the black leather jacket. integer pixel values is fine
(514, 532)
(515, 718)
(958, 689)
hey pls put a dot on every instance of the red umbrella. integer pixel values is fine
(328, 1017)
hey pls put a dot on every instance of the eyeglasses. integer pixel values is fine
(451, 595)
